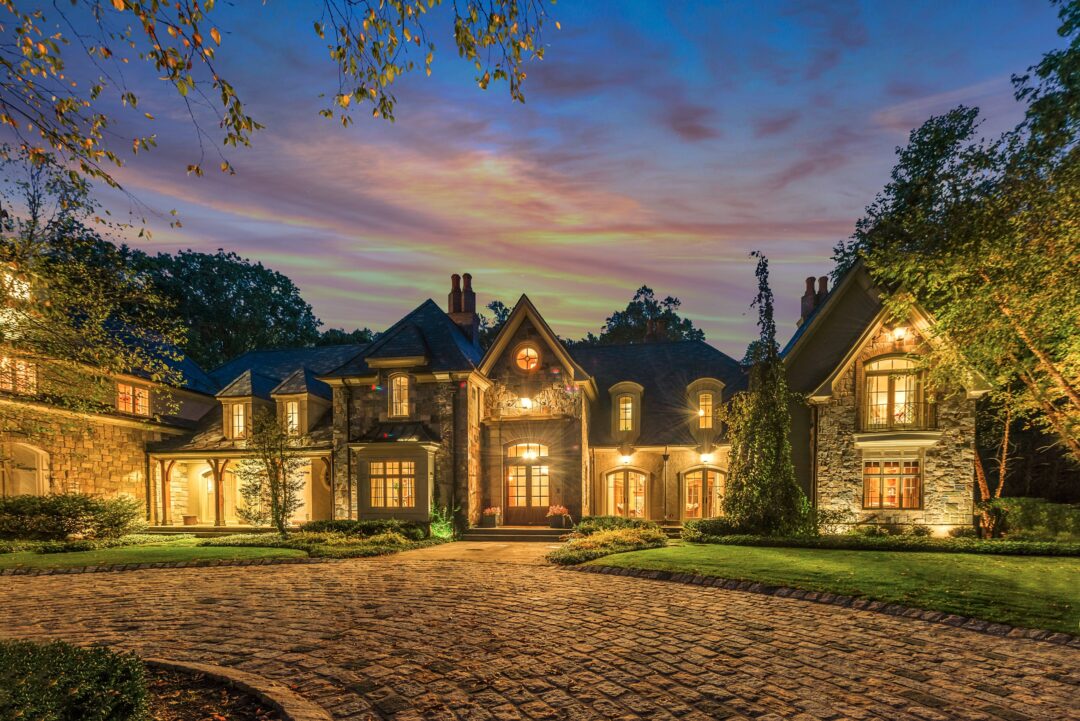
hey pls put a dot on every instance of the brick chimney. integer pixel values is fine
(463, 307)
(812, 299)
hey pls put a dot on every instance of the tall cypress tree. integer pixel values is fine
(762, 495)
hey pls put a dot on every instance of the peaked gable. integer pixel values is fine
(249, 383)
(524, 310)
(303, 381)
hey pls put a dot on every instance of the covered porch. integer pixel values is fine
(199, 492)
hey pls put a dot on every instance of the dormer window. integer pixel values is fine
(292, 417)
(527, 358)
(626, 413)
(18, 376)
(705, 410)
(399, 396)
(893, 396)
(238, 420)
(132, 399)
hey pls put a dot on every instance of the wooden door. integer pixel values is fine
(528, 494)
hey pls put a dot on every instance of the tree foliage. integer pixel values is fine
(983, 234)
(338, 336)
(490, 327)
(231, 305)
(646, 319)
(371, 43)
(75, 312)
(270, 481)
(762, 495)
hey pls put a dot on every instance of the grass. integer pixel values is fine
(1031, 592)
(184, 549)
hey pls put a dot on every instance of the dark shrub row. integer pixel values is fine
(409, 529)
(1038, 519)
(62, 516)
(591, 524)
(859, 542)
(61, 682)
(606, 542)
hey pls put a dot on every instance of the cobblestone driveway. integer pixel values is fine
(429, 637)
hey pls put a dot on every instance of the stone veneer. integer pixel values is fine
(947, 465)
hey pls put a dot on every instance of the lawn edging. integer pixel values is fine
(280, 697)
(834, 599)
(113, 567)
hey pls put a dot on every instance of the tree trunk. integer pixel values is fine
(1003, 467)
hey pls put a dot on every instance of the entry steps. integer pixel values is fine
(539, 534)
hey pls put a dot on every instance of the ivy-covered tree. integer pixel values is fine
(74, 311)
(762, 495)
(369, 43)
(646, 319)
(231, 305)
(270, 482)
(982, 234)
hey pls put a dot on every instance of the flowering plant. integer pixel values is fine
(493, 511)
(554, 511)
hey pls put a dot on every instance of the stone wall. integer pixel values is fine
(947, 459)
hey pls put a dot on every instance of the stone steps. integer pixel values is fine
(508, 534)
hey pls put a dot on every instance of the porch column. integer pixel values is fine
(217, 467)
(164, 511)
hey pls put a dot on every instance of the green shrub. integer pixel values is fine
(860, 542)
(963, 532)
(62, 516)
(441, 524)
(1038, 519)
(61, 682)
(870, 530)
(696, 529)
(325, 544)
(920, 530)
(91, 544)
(591, 524)
(605, 543)
(409, 529)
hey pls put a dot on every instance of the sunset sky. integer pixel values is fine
(659, 144)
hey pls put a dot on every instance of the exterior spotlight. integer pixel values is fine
(624, 459)
(706, 458)
(899, 333)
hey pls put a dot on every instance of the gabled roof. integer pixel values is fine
(664, 371)
(447, 348)
(279, 363)
(303, 381)
(209, 435)
(523, 309)
(249, 383)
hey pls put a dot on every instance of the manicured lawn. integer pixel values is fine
(1033, 592)
(178, 550)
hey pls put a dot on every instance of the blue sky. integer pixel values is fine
(659, 144)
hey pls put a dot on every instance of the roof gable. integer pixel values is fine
(524, 309)
(249, 383)
(303, 381)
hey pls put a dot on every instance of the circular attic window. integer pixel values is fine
(527, 358)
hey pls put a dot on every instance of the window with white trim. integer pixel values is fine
(705, 410)
(292, 417)
(393, 484)
(892, 480)
(626, 413)
(238, 420)
(399, 396)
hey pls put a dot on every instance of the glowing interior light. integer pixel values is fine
(624, 459)
(899, 332)
(706, 458)
(530, 455)
(526, 403)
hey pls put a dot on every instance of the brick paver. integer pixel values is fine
(414, 637)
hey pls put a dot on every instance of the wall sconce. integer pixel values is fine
(899, 333)
(624, 459)
(706, 458)
(526, 403)
(701, 412)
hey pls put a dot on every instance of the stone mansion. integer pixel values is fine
(422, 417)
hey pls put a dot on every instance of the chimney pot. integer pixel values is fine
(822, 287)
(454, 299)
(809, 301)
(468, 296)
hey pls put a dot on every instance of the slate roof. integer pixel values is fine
(209, 436)
(399, 432)
(426, 331)
(279, 363)
(664, 370)
(303, 381)
(249, 383)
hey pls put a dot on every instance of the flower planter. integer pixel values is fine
(557, 522)
(191, 520)
(489, 521)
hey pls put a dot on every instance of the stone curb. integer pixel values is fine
(274, 694)
(833, 599)
(209, 563)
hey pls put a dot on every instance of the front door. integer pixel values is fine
(528, 485)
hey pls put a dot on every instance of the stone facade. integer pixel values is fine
(945, 449)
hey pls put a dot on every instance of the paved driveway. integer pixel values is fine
(442, 634)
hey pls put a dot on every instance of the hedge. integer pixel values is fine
(62, 516)
(607, 542)
(61, 682)
(854, 542)
(1039, 519)
(88, 544)
(322, 544)
(591, 524)
(409, 529)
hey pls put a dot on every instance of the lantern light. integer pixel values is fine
(706, 458)
(526, 403)
(899, 333)
(624, 459)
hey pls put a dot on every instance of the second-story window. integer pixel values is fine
(132, 399)
(18, 376)
(626, 413)
(238, 417)
(399, 396)
(705, 410)
(893, 390)
(292, 417)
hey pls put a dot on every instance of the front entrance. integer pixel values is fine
(528, 484)
(626, 494)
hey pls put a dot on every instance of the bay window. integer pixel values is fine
(393, 484)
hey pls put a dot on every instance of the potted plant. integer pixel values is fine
(489, 517)
(559, 516)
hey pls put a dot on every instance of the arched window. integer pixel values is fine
(399, 396)
(893, 393)
(527, 451)
(705, 410)
(626, 413)
(626, 493)
(701, 489)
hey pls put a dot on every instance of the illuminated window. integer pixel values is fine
(626, 413)
(399, 396)
(527, 358)
(527, 451)
(893, 390)
(393, 484)
(699, 492)
(625, 491)
(142, 401)
(892, 481)
(18, 376)
(292, 417)
(125, 398)
(705, 410)
(239, 420)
